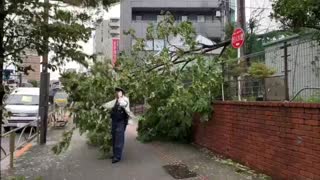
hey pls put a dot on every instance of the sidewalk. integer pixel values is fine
(140, 162)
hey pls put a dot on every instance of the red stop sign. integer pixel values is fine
(237, 38)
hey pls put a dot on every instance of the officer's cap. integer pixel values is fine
(117, 89)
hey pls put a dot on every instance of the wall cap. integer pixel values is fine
(271, 104)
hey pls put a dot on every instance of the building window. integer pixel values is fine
(114, 35)
(209, 18)
(138, 18)
(200, 19)
(177, 18)
(184, 18)
(192, 18)
(160, 18)
(149, 17)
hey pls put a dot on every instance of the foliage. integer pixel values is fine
(177, 83)
(314, 98)
(25, 23)
(65, 143)
(260, 71)
(23, 178)
(89, 93)
(298, 16)
(90, 3)
(24, 30)
(173, 102)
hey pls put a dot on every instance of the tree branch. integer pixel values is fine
(313, 27)
(205, 49)
(16, 51)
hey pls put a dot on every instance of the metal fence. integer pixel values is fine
(295, 63)
(16, 138)
(138, 109)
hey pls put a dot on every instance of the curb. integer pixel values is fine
(23, 150)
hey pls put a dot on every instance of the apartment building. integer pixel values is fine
(207, 16)
(107, 33)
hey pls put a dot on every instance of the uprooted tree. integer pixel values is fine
(174, 83)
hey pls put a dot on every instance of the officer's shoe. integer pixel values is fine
(115, 161)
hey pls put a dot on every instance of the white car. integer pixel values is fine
(23, 105)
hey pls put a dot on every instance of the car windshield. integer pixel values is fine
(19, 99)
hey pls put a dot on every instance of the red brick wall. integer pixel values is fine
(279, 139)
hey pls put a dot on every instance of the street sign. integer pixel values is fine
(61, 99)
(238, 38)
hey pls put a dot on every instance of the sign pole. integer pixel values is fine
(239, 77)
(241, 18)
(238, 38)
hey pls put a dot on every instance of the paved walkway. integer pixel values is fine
(141, 162)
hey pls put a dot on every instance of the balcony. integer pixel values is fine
(114, 24)
(115, 31)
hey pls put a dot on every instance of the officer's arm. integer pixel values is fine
(109, 104)
(123, 102)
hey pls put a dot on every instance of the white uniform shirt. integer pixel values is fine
(123, 102)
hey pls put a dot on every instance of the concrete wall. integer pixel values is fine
(214, 29)
(279, 139)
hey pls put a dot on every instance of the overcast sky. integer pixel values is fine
(253, 9)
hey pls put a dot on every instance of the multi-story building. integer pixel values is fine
(107, 32)
(207, 16)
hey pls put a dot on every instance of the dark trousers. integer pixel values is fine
(118, 136)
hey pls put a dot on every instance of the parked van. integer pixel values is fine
(23, 107)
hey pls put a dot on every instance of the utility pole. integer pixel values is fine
(241, 18)
(20, 80)
(227, 11)
(286, 77)
(44, 80)
(2, 51)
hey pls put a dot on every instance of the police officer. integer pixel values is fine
(120, 113)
